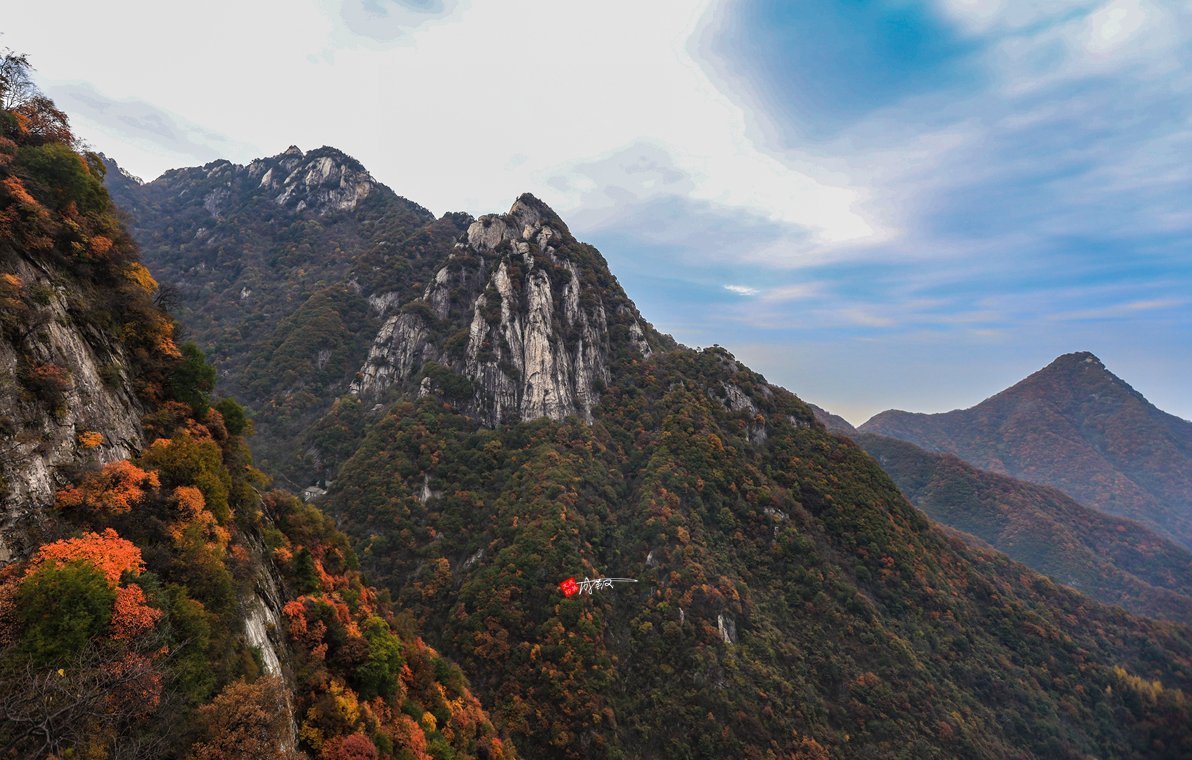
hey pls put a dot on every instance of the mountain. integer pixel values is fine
(1075, 426)
(505, 419)
(279, 270)
(1113, 560)
(157, 599)
(788, 599)
(500, 417)
(496, 460)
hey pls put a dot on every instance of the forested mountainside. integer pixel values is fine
(513, 422)
(1075, 426)
(789, 599)
(1114, 560)
(157, 600)
(270, 267)
(292, 272)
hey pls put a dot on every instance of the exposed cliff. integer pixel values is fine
(521, 322)
(272, 265)
(65, 398)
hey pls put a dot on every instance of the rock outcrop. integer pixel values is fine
(516, 325)
(64, 402)
(321, 181)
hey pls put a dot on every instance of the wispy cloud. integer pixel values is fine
(387, 20)
(154, 130)
(1115, 311)
(742, 290)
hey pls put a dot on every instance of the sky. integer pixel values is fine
(884, 204)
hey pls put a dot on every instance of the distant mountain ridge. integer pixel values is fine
(1075, 426)
(1114, 560)
(1111, 559)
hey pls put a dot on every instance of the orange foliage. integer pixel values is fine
(131, 615)
(114, 489)
(245, 720)
(198, 430)
(408, 735)
(810, 749)
(139, 275)
(295, 610)
(100, 245)
(215, 537)
(89, 439)
(164, 339)
(11, 284)
(354, 747)
(9, 583)
(111, 555)
(189, 500)
(16, 190)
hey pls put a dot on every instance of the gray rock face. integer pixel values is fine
(325, 184)
(531, 337)
(727, 627)
(321, 181)
(39, 439)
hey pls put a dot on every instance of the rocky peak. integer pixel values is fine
(521, 322)
(321, 181)
(324, 180)
(1080, 363)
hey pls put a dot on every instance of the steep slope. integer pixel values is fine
(271, 267)
(788, 597)
(789, 600)
(304, 278)
(542, 322)
(1113, 560)
(153, 602)
(1074, 426)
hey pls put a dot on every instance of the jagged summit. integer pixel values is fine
(323, 180)
(529, 320)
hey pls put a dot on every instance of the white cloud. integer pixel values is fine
(1115, 25)
(741, 290)
(463, 110)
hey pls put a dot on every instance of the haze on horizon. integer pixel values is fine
(889, 204)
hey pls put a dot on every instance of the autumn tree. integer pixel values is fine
(16, 85)
(354, 747)
(111, 555)
(247, 721)
(114, 489)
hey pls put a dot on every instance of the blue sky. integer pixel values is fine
(876, 204)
